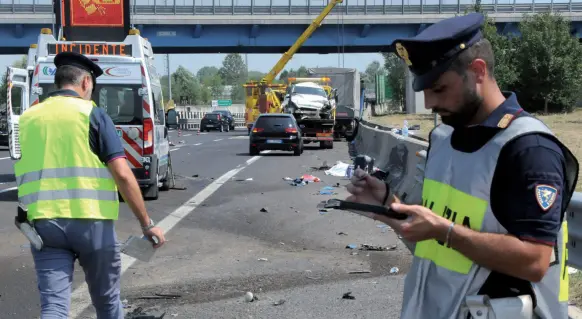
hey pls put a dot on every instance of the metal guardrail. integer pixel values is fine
(374, 139)
(390, 9)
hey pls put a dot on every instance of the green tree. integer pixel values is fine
(255, 75)
(214, 84)
(548, 61)
(284, 75)
(504, 48)
(238, 94)
(185, 85)
(396, 73)
(372, 70)
(205, 95)
(233, 70)
(206, 72)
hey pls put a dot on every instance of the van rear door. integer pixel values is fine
(16, 101)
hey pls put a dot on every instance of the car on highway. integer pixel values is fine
(213, 121)
(275, 131)
(228, 116)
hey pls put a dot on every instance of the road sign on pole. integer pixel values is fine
(224, 102)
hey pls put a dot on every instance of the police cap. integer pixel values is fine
(431, 53)
(79, 61)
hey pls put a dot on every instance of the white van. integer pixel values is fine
(129, 90)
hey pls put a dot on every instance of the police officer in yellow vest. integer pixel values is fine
(68, 177)
(489, 236)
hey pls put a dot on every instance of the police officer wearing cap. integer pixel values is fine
(497, 182)
(71, 168)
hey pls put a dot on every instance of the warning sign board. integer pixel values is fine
(93, 20)
(98, 13)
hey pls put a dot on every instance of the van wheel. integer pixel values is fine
(152, 192)
(166, 183)
(227, 129)
(221, 129)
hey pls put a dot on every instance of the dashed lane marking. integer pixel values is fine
(80, 299)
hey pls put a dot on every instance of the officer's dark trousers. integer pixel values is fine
(94, 243)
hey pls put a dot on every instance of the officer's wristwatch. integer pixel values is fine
(150, 226)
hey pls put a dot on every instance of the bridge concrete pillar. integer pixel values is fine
(414, 101)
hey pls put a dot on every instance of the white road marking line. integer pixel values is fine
(3, 158)
(197, 144)
(8, 189)
(186, 134)
(175, 149)
(220, 139)
(80, 299)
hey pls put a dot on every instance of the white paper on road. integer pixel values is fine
(139, 248)
(339, 169)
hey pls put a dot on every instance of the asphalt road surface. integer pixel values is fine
(228, 235)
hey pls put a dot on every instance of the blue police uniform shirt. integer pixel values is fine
(524, 163)
(103, 138)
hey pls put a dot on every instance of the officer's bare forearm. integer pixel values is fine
(129, 189)
(503, 253)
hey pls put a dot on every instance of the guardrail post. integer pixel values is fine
(155, 6)
(213, 7)
(458, 6)
(495, 5)
(533, 6)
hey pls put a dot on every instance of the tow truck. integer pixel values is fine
(266, 97)
(129, 90)
(314, 107)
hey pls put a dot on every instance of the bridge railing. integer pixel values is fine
(40, 7)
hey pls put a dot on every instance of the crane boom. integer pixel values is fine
(304, 36)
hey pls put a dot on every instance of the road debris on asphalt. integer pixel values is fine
(138, 313)
(323, 167)
(366, 247)
(348, 295)
(250, 179)
(161, 296)
(327, 190)
(338, 170)
(264, 210)
(394, 270)
(249, 297)
(342, 233)
(262, 259)
(360, 272)
(278, 303)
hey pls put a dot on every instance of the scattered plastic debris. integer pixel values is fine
(138, 313)
(161, 296)
(287, 179)
(394, 270)
(262, 259)
(572, 271)
(360, 272)
(195, 175)
(278, 303)
(342, 233)
(383, 227)
(322, 211)
(323, 167)
(249, 297)
(328, 190)
(348, 295)
(264, 210)
(370, 247)
(182, 142)
(244, 180)
(338, 170)
(310, 178)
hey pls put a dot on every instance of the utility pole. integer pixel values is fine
(169, 76)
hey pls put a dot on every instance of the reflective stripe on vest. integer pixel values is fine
(457, 187)
(58, 175)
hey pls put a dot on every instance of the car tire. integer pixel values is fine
(227, 128)
(220, 128)
(297, 151)
(253, 151)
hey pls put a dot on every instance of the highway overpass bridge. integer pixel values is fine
(269, 28)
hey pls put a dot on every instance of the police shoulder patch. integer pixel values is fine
(546, 196)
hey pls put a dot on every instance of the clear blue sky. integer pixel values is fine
(257, 62)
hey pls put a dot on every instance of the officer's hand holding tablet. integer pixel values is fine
(413, 222)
